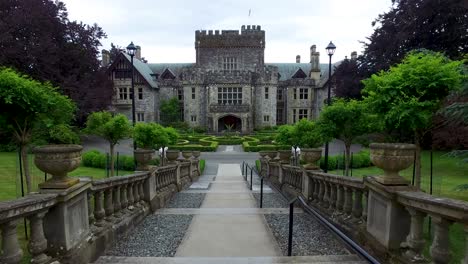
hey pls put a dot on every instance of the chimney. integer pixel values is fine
(314, 63)
(353, 55)
(298, 59)
(138, 52)
(105, 58)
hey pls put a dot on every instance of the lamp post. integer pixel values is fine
(330, 51)
(131, 49)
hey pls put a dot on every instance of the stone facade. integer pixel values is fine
(229, 85)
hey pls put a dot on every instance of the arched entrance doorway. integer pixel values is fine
(229, 122)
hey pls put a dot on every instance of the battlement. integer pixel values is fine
(249, 36)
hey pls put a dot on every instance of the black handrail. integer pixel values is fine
(353, 245)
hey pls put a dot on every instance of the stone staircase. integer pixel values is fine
(330, 259)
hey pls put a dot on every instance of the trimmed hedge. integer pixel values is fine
(96, 159)
(191, 147)
(256, 148)
(360, 159)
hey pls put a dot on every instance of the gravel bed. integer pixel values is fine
(309, 237)
(156, 236)
(186, 200)
(271, 200)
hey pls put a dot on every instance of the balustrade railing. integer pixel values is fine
(184, 170)
(443, 212)
(292, 176)
(165, 177)
(114, 197)
(346, 198)
(34, 208)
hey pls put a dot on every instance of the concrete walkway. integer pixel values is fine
(223, 227)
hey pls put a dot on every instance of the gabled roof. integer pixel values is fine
(299, 74)
(143, 69)
(175, 68)
(167, 74)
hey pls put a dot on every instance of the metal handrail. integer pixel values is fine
(353, 245)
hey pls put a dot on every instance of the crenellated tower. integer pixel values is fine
(230, 50)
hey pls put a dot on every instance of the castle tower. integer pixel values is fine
(315, 63)
(230, 50)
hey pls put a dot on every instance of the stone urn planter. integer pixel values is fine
(196, 154)
(58, 161)
(284, 156)
(172, 155)
(263, 153)
(392, 158)
(143, 158)
(187, 154)
(311, 156)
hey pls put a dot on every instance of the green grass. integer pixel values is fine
(448, 172)
(10, 184)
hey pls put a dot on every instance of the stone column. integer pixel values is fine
(306, 185)
(37, 243)
(415, 239)
(108, 206)
(357, 207)
(340, 199)
(332, 202)
(178, 181)
(348, 204)
(387, 220)
(280, 173)
(130, 195)
(116, 202)
(440, 249)
(99, 208)
(12, 253)
(90, 208)
(67, 224)
(123, 199)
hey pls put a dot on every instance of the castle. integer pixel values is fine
(229, 85)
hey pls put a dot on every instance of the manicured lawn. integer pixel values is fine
(10, 184)
(448, 172)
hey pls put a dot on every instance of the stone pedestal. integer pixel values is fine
(387, 221)
(66, 224)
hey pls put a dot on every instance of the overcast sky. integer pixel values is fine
(165, 30)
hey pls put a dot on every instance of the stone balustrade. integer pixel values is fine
(444, 212)
(34, 208)
(111, 198)
(75, 225)
(383, 217)
(292, 176)
(340, 195)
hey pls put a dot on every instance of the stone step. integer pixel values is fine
(324, 259)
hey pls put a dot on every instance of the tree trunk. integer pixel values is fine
(112, 159)
(417, 164)
(27, 175)
(347, 157)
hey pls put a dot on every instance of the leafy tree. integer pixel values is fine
(346, 120)
(111, 128)
(304, 133)
(154, 136)
(286, 135)
(29, 106)
(346, 80)
(39, 40)
(408, 94)
(170, 111)
(415, 24)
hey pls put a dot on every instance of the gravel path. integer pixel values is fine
(309, 237)
(271, 200)
(156, 236)
(186, 200)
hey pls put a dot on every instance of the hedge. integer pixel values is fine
(192, 147)
(361, 159)
(96, 159)
(249, 148)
